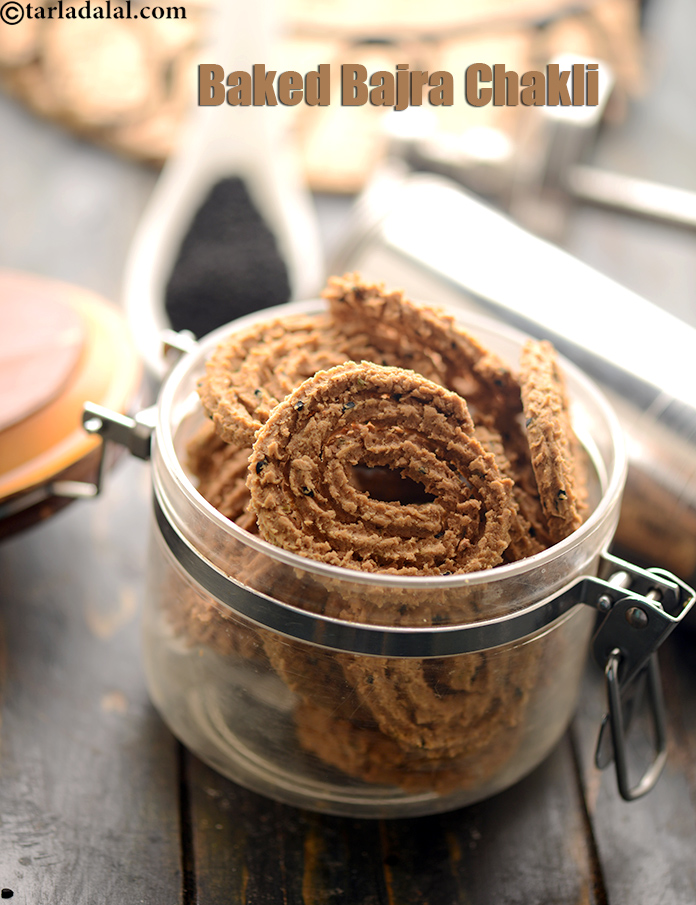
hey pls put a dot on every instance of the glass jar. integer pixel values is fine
(363, 694)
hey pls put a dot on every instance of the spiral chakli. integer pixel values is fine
(444, 707)
(254, 369)
(556, 455)
(411, 331)
(360, 414)
(406, 330)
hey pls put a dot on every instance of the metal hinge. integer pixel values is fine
(133, 433)
(641, 608)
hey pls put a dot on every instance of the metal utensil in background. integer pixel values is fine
(541, 175)
(555, 175)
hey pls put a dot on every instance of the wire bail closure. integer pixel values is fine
(652, 603)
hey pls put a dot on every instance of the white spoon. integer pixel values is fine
(218, 142)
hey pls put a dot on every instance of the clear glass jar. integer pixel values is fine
(253, 663)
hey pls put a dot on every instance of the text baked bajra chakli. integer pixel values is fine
(378, 440)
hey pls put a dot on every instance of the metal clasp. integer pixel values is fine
(134, 433)
(642, 607)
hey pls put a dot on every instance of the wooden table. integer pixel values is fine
(100, 804)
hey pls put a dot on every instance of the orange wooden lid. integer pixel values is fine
(60, 346)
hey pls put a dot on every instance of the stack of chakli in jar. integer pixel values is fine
(380, 436)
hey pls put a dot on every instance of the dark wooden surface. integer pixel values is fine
(98, 803)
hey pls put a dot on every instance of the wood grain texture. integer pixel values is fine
(529, 844)
(533, 841)
(248, 849)
(646, 848)
(88, 803)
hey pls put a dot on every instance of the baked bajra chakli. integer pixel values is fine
(306, 500)
(410, 331)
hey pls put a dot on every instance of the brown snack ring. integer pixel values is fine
(460, 363)
(552, 441)
(398, 325)
(366, 414)
(444, 707)
(315, 675)
(362, 751)
(221, 470)
(253, 369)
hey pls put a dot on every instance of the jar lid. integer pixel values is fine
(61, 345)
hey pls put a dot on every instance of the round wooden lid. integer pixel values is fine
(41, 341)
(60, 346)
